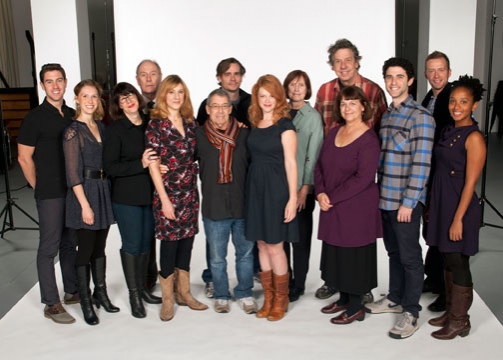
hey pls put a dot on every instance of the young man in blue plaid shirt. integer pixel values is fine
(407, 133)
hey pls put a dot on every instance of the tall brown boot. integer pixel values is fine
(442, 319)
(168, 299)
(458, 322)
(182, 291)
(267, 285)
(280, 304)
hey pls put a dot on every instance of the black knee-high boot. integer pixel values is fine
(142, 272)
(129, 265)
(100, 295)
(83, 279)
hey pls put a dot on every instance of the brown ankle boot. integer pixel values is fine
(168, 300)
(267, 286)
(458, 322)
(182, 291)
(280, 304)
(442, 319)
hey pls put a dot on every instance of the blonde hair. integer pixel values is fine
(161, 110)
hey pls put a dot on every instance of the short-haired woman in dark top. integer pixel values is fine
(126, 160)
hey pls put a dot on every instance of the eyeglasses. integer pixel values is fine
(125, 98)
(219, 107)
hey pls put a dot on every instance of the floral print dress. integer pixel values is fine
(177, 152)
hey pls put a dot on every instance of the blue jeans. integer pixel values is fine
(406, 269)
(217, 236)
(136, 225)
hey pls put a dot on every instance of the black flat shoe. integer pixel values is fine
(295, 294)
(438, 305)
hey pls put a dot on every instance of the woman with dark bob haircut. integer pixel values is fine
(309, 127)
(350, 221)
(126, 160)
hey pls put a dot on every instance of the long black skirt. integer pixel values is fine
(351, 270)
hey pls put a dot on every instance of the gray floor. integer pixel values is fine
(18, 247)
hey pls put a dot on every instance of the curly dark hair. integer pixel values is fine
(472, 84)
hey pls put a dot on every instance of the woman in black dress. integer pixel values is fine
(126, 160)
(454, 214)
(271, 192)
(88, 201)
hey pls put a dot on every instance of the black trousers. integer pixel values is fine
(301, 250)
(54, 239)
(91, 244)
(175, 254)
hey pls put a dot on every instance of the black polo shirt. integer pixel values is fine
(123, 149)
(222, 201)
(43, 129)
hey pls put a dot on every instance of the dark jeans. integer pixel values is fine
(54, 238)
(136, 225)
(406, 269)
(175, 254)
(301, 249)
(92, 245)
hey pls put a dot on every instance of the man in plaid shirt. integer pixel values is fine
(344, 58)
(407, 133)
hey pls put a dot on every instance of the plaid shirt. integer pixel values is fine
(325, 100)
(407, 133)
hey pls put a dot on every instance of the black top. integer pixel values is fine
(222, 201)
(441, 112)
(239, 111)
(43, 128)
(124, 146)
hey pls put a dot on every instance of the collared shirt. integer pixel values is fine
(309, 129)
(43, 128)
(325, 101)
(407, 133)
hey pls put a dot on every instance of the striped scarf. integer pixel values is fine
(225, 142)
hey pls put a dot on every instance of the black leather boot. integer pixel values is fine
(100, 295)
(142, 274)
(129, 265)
(83, 279)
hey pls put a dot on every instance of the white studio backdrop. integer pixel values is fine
(190, 37)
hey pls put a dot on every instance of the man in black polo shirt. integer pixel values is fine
(40, 154)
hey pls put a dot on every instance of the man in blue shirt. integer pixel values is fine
(407, 132)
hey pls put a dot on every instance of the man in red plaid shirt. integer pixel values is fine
(344, 59)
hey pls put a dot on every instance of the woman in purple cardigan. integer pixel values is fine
(348, 196)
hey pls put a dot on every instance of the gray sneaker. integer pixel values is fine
(58, 314)
(367, 298)
(222, 306)
(406, 326)
(209, 291)
(383, 306)
(248, 305)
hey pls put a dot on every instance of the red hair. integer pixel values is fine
(274, 87)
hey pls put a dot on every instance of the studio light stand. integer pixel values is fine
(8, 217)
(483, 199)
